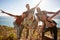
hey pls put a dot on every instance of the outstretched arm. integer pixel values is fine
(54, 15)
(50, 12)
(7, 13)
(33, 9)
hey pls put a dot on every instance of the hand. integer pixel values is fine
(58, 11)
(2, 11)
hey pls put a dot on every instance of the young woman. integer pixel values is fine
(17, 22)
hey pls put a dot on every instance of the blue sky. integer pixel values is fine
(16, 7)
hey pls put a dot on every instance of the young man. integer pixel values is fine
(51, 24)
(39, 15)
(42, 15)
(17, 22)
(29, 19)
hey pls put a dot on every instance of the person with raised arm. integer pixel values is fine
(17, 22)
(51, 25)
(30, 19)
(42, 15)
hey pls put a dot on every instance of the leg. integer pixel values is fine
(19, 30)
(27, 33)
(30, 33)
(55, 33)
(18, 35)
(45, 30)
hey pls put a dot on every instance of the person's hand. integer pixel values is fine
(2, 11)
(58, 11)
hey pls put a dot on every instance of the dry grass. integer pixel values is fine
(10, 33)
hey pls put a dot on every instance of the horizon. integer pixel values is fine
(8, 21)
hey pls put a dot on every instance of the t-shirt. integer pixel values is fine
(18, 20)
(27, 22)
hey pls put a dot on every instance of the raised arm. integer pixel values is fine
(37, 5)
(56, 13)
(8, 13)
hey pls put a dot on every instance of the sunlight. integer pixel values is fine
(37, 1)
(41, 5)
(34, 2)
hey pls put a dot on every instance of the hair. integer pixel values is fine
(38, 9)
(44, 13)
(27, 4)
(25, 13)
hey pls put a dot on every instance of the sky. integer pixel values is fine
(17, 7)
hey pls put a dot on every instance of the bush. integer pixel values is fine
(11, 36)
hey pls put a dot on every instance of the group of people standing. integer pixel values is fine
(31, 21)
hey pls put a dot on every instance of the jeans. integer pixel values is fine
(19, 30)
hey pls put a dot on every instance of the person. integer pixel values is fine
(42, 15)
(51, 25)
(29, 19)
(52, 29)
(39, 15)
(17, 22)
